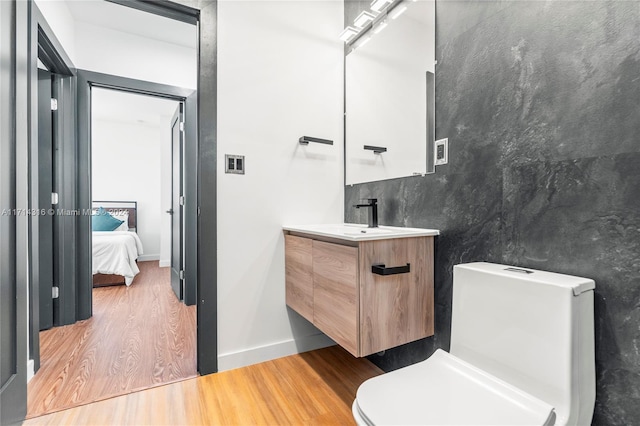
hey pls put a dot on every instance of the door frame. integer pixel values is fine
(42, 314)
(14, 137)
(32, 28)
(176, 211)
(87, 80)
(51, 53)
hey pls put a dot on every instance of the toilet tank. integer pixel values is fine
(533, 329)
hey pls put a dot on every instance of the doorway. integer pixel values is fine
(139, 334)
(29, 34)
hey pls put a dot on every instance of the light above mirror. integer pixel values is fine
(376, 19)
(348, 34)
(363, 19)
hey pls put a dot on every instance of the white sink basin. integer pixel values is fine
(355, 232)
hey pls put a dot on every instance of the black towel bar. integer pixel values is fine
(376, 149)
(304, 140)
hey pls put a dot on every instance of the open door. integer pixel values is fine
(13, 318)
(177, 202)
(45, 195)
(190, 218)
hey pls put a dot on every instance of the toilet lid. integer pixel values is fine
(446, 390)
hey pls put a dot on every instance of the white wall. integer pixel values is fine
(126, 166)
(279, 78)
(127, 55)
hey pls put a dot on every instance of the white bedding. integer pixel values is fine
(115, 252)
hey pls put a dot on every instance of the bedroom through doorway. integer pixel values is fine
(141, 334)
(136, 174)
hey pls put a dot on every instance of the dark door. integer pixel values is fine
(45, 191)
(177, 202)
(13, 318)
(190, 216)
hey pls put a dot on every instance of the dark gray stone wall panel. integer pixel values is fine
(455, 17)
(546, 80)
(541, 105)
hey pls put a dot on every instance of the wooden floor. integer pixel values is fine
(139, 336)
(313, 388)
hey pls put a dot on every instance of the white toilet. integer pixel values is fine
(522, 353)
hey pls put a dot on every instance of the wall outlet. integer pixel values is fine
(441, 154)
(234, 164)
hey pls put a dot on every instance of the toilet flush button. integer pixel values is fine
(521, 271)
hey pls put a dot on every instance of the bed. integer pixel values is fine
(115, 253)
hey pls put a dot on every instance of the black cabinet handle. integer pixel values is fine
(382, 270)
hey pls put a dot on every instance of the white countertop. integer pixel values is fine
(357, 232)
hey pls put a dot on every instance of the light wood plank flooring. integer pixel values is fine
(139, 336)
(313, 388)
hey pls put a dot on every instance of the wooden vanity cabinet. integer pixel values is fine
(299, 275)
(331, 284)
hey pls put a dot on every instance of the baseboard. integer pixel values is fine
(165, 263)
(30, 370)
(148, 257)
(277, 350)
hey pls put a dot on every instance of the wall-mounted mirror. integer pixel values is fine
(389, 84)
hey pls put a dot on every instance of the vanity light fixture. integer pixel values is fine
(363, 19)
(378, 5)
(348, 34)
(399, 10)
(377, 21)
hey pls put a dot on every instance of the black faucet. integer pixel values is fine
(372, 204)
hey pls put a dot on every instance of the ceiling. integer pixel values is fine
(121, 106)
(115, 105)
(133, 21)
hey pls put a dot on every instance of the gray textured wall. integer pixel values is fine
(541, 104)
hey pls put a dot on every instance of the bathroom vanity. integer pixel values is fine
(369, 289)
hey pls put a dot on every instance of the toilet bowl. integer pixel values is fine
(522, 353)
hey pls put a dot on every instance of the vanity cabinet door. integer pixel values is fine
(395, 309)
(335, 294)
(299, 275)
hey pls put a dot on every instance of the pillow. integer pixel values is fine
(124, 217)
(123, 227)
(103, 221)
